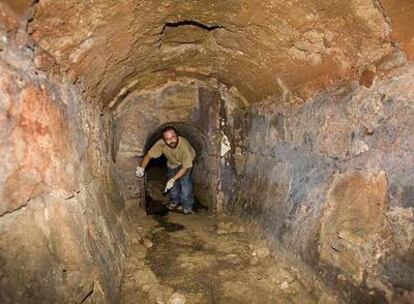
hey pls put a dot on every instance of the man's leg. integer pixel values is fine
(175, 190)
(186, 194)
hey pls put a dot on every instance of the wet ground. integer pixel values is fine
(203, 258)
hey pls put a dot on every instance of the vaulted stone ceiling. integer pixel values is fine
(262, 47)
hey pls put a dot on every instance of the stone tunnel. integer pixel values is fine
(301, 114)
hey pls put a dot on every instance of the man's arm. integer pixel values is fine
(180, 173)
(176, 177)
(141, 167)
(154, 152)
(145, 161)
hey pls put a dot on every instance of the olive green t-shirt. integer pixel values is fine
(183, 154)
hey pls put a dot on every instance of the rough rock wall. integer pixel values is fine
(332, 182)
(60, 228)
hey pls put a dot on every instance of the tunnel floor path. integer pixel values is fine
(204, 258)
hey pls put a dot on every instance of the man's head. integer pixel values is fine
(169, 134)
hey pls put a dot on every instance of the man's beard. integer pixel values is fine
(173, 145)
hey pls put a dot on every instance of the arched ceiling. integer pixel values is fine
(260, 46)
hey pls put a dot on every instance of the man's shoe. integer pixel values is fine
(187, 211)
(172, 206)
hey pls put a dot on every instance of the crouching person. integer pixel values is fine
(180, 156)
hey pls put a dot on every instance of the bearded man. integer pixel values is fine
(180, 156)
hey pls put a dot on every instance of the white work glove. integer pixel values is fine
(169, 185)
(140, 171)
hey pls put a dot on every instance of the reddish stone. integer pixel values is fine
(40, 147)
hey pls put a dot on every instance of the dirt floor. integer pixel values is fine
(205, 258)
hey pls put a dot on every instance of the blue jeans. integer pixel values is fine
(182, 192)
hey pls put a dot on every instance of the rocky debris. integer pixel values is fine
(262, 252)
(147, 243)
(187, 265)
(359, 147)
(229, 227)
(259, 251)
(159, 294)
(278, 275)
(232, 258)
(327, 299)
(146, 281)
(140, 284)
(177, 298)
(284, 285)
(145, 276)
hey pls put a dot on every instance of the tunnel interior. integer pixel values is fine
(301, 114)
(197, 109)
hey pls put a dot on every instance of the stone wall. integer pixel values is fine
(332, 182)
(60, 219)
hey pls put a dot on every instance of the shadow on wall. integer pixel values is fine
(156, 170)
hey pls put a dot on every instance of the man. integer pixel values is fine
(180, 156)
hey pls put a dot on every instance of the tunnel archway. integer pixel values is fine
(203, 111)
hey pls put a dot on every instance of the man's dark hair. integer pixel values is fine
(168, 128)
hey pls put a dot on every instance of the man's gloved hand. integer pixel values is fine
(140, 171)
(170, 184)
